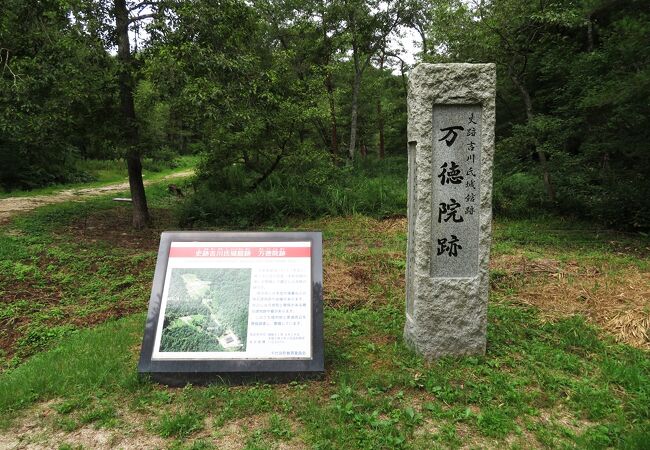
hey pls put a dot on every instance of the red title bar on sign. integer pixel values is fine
(240, 252)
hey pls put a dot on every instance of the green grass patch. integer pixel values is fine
(179, 425)
(373, 395)
(71, 265)
(87, 362)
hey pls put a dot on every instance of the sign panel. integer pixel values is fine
(226, 303)
(456, 190)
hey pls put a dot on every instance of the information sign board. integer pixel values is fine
(235, 305)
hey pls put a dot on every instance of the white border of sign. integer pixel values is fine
(257, 256)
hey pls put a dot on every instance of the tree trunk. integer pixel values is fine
(590, 35)
(402, 69)
(423, 36)
(548, 184)
(334, 141)
(353, 122)
(380, 115)
(134, 165)
(138, 198)
(363, 150)
(329, 84)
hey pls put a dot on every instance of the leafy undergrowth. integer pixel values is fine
(552, 381)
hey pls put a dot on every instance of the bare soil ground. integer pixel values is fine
(37, 429)
(13, 205)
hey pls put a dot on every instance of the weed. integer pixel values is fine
(279, 427)
(66, 424)
(70, 447)
(69, 405)
(180, 425)
(103, 416)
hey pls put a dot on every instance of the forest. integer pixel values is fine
(281, 97)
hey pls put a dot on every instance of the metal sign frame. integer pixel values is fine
(202, 371)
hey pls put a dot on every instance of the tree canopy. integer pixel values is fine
(573, 101)
(272, 90)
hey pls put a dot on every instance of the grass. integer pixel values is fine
(179, 425)
(60, 271)
(558, 384)
(75, 282)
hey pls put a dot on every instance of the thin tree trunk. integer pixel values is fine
(423, 37)
(402, 70)
(334, 141)
(380, 115)
(548, 184)
(133, 162)
(329, 84)
(590, 35)
(382, 151)
(353, 123)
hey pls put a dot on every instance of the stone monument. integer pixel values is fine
(450, 150)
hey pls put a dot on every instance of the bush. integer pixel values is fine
(520, 195)
(622, 203)
(306, 189)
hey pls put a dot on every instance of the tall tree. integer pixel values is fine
(311, 30)
(417, 17)
(571, 99)
(133, 156)
(505, 32)
(330, 32)
(380, 113)
(368, 25)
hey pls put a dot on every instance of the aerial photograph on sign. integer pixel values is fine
(206, 310)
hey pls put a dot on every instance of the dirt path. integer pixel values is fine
(13, 205)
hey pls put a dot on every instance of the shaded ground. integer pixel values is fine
(12, 205)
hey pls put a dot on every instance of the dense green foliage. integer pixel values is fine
(57, 82)
(307, 189)
(282, 98)
(244, 83)
(573, 101)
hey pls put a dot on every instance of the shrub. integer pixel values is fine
(306, 189)
(520, 195)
